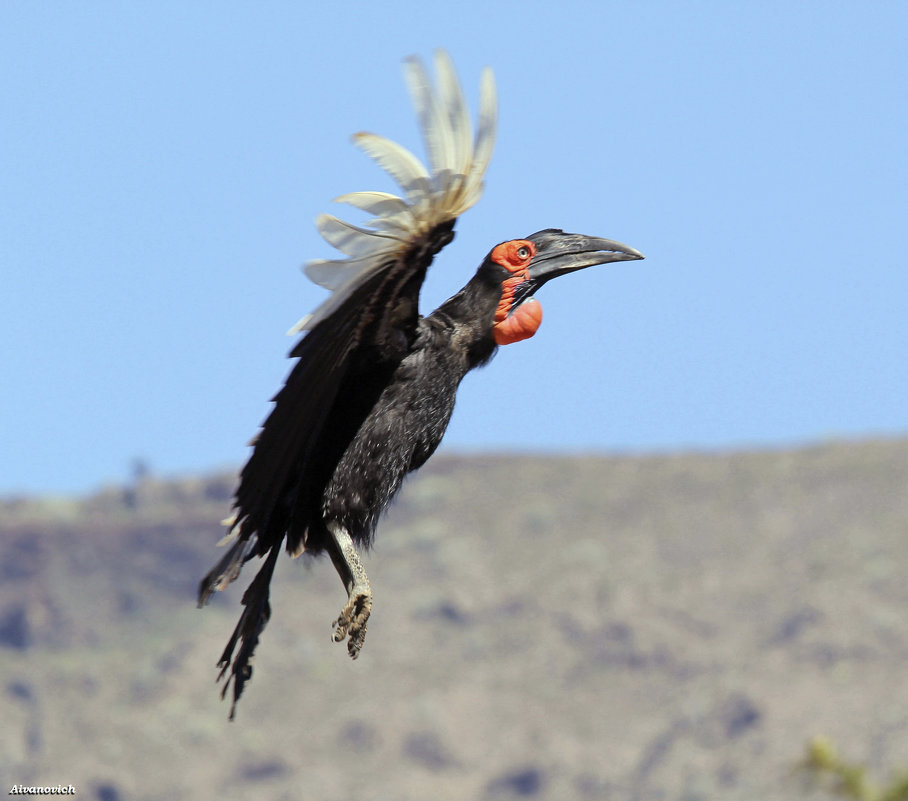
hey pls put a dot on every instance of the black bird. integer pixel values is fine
(373, 389)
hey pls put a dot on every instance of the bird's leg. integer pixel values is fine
(355, 615)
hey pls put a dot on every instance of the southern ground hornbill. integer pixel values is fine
(373, 387)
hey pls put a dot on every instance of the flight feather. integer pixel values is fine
(449, 186)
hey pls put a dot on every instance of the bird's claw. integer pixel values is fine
(352, 622)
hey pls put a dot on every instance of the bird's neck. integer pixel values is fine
(467, 318)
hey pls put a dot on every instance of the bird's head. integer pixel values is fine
(530, 262)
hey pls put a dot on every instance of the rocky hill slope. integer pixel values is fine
(661, 627)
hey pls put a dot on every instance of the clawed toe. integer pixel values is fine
(352, 622)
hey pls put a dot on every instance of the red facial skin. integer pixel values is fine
(524, 321)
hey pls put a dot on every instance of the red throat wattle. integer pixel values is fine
(514, 324)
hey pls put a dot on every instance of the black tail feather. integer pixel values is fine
(227, 568)
(251, 624)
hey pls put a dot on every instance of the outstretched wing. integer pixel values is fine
(402, 225)
(373, 306)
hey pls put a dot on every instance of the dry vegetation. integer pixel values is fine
(672, 627)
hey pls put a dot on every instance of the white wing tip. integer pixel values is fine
(300, 326)
(453, 186)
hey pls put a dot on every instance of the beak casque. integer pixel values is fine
(558, 253)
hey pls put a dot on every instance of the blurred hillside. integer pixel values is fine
(671, 627)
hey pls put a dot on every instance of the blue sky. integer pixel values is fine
(163, 164)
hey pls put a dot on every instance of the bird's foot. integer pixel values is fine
(355, 615)
(353, 619)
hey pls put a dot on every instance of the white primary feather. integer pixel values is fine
(453, 183)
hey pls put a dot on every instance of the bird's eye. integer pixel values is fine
(523, 252)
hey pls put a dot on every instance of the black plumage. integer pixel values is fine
(374, 385)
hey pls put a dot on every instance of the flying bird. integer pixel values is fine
(373, 387)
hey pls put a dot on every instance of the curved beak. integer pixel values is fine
(558, 253)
